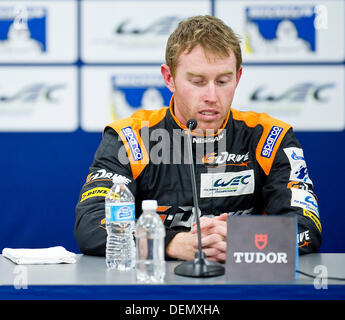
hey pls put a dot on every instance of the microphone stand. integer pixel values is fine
(200, 267)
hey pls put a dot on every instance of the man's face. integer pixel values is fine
(203, 87)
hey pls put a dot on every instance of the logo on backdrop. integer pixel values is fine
(25, 99)
(22, 30)
(132, 92)
(280, 29)
(298, 93)
(136, 32)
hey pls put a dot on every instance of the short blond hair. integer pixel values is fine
(211, 33)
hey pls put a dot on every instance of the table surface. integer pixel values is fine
(91, 272)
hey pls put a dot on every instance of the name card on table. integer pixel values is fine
(261, 248)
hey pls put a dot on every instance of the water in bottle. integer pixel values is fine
(150, 233)
(120, 225)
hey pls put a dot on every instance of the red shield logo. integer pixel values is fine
(260, 241)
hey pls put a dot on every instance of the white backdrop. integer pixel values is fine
(293, 53)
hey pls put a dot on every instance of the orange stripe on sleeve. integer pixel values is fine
(274, 131)
(128, 129)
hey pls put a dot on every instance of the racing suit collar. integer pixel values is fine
(196, 132)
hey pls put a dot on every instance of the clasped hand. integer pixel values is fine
(213, 237)
(213, 240)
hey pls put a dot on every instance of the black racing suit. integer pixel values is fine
(253, 165)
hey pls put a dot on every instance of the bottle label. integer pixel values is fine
(119, 212)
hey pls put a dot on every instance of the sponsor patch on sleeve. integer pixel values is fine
(299, 171)
(95, 192)
(270, 141)
(304, 199)
(103, 175)
(133, 143)
(298, 185)
(313, 218)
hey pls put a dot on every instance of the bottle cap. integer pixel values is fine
(149, 205)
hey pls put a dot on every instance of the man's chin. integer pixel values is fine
(208, 128)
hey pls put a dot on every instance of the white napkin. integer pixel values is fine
(51, 255)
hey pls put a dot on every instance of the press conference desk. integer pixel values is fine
(88, 278)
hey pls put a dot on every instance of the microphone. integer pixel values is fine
(200, 267)
(191, 124)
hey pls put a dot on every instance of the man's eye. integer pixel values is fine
(197, 82)
(222, 82)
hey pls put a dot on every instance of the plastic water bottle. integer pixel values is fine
(150, 233)
(120, 225)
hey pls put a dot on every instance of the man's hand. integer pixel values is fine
(182, 246)
(213, 237)
(213, 240)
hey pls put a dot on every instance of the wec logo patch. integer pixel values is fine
(227, 184)
(271, 141)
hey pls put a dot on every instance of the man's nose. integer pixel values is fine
(210, 93)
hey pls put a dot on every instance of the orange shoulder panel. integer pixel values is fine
(274, 131)
(128, 129)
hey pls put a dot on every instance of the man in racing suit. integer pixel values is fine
(250, 164)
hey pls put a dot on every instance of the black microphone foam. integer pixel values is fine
(192, 124)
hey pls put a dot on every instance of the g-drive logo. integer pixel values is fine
(271, 141)
(133, 143)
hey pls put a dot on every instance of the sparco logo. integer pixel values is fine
(271, 141)
(260, 241)
(133, 143)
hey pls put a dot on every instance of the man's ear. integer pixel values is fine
(168, 78)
